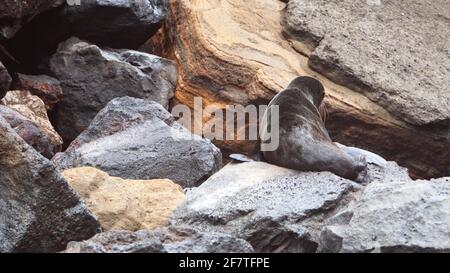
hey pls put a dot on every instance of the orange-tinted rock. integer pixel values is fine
(48, 89)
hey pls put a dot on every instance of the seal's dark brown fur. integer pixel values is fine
(304, 143)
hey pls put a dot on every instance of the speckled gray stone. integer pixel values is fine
(395, 52)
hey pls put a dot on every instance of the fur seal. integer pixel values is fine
(304, 143)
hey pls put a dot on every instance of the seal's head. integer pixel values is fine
(310, 87)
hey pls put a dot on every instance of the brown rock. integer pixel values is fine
(125, 204)
(5, 80)
(33, 108)
(29, 131)
(233, 52)
(48, 89)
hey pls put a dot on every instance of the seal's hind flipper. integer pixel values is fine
(241, 158)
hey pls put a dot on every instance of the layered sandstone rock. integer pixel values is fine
(39, 212)
(233, 51)
(33, 109)
(125, 204)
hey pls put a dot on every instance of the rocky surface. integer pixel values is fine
(13, 14)
(274, 209)
(48, 89)
(394, 216)
(234, 52)
(377, 49)
(117, 24)
(125, 204)
(5, 80)
(91, 77)
(138, 139)
(173, 240)
(39, 212)
(33, 108)
(28, 131)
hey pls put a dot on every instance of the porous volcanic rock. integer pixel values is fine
(91, 77)
(39, 212)
(166, 240)
(138, 139)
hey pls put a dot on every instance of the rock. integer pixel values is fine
(138, 139)
(33, 108)
(173, 240)
(396, 216)
(379, 51)
(233, 52)
(39, 212)
(13, 14)
(117, 24)
(274, 209)
(48, 89)
(28, 131)
(5, 80)
(91, 77)
(125, 204)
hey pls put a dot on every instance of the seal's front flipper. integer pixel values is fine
(241, 158)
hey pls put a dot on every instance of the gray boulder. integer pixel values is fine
(39, 212)
(138, 139)
(274, 209)
(166, 240)
(91, 77)
(5, 80)
(393, 216)
(394, 52)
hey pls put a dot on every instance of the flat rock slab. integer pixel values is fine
(39, 212)
(397, 216)
(138, 139)
(275, 209)
(167, 240)
(394, 52)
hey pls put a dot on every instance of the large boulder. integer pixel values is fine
(275, 209)
(234, 52)
(138, 139)
(14, 14)
(39, 212)
(28, 131)
(166, 240)
(33, 108)
(5, 80)
(125, 204)
(394, 216)
(117, 24)
(48, 89)
(377, 48)
(91, 77)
